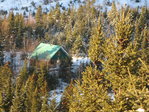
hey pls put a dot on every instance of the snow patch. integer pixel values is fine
(78, 61)
(140, 110)
(58, 92)
(21, 6)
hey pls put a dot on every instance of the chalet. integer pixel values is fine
(51, 55)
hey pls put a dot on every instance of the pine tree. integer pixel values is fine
(124, 74)
(18, 102)
(19, 28)
(42, 76)
(39, 16)
(39, 22)
(11, 20)
(6, 88)
(11, 30)
(90, 94)
(124, 28)
(122, 66)
(23, 77)
(112, 14)
(45, 104)
(30, 89)
(45, 99)
(95, 51)
(145, 44)
(1, 53)
(36, 101)
(139, 26)
(78, 45)
(19, 99)
(1, 46)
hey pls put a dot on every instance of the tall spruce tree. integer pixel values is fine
(90, 94)
(45, 98)
(39, 23)
(19, 28)
(1, 52)
(18, 102)
(6, 88)
(19, 99)
(95, 51)
(36, 101)
(11, 31)
(78, 45)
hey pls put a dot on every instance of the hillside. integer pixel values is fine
(29, 6)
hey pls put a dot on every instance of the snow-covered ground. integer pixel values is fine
(16, 60)
(30, 6)
(58, 92)
(79, 61)
(140, 110)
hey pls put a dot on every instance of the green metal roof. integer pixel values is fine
(45, 51)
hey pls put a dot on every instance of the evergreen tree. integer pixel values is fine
(78, 45)
(1, 45)
(30, 89)
(39, 23)
(39, 16)
(11, 20)
(1, 53)
(139, 26)
(11, 30)
(124, 28)
(90, 94)
(95, 51)
(36, 101)
(112, 14)
(45, 100)
(19, 28)
(124, 75)
(45, 104)
(23, 77)
(19, 99)
(145, 45)
(6, 88)
(18, 102)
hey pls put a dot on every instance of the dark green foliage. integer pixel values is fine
(11, 20)
(124, 74)
(18, 102)
(19, 27)
(6, 88)
(39, 23)
(52, 81)
(1, 54)
(36, 101)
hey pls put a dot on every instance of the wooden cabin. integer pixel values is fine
(50, 55)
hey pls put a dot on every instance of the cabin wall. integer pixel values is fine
(62, 57)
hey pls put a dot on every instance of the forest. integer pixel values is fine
(116, 41)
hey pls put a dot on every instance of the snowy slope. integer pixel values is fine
(29, 6)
